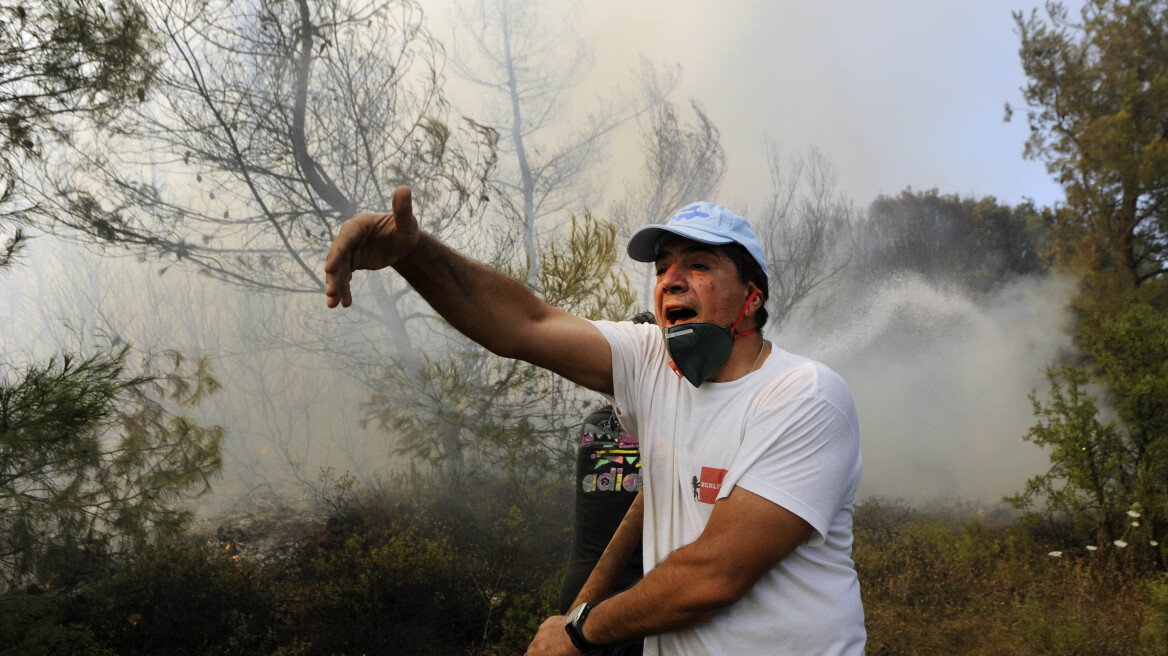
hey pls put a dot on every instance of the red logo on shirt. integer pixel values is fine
(710, 484)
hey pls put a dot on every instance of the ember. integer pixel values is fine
(231, 551)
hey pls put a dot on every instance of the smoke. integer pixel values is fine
(288, 409)
(940, 378)
(898, 93)
(941, 381)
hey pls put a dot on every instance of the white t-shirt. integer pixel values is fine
(787, 432)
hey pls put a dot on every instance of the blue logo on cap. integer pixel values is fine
(691, 212)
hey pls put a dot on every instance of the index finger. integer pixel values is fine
(338, 272)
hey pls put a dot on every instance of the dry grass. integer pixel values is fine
(939, 585)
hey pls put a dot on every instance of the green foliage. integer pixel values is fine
(406, 565)
(91, 460)
(1109, 476)
(468, 412)
(1154, 632)
(183, 599)
(395, 573)
(920, 562)
(1086, 478)
(1130, 351)
(445, 565)
(1071, 607)
(976, 243)
(963, 584)
(1047, 635)
(1097, 93)
(433, 566)
(12, 247)
(36, 624)
(61, 57)
(522, 619)
(580, 275)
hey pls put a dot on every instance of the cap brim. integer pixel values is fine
(642, 245)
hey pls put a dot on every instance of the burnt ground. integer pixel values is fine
(258, 527)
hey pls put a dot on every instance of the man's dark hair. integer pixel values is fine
(750, 271)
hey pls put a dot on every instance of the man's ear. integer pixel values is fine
(757, 301)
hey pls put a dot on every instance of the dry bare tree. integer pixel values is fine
(684, 162)
(529, 64)
(803, 228)
(273, 122)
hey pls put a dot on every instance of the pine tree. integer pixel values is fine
(93, 458)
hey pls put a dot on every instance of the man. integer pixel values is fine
(751, 454)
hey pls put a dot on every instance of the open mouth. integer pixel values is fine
(674, 316)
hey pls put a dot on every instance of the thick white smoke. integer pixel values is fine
(941, 381)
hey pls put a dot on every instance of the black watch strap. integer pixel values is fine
(575, 628)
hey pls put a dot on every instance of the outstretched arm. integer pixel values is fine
(492, 309)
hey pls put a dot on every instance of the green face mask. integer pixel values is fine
(699, 349)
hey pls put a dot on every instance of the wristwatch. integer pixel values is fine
(574, 625)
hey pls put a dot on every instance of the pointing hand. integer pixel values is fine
(370, 241)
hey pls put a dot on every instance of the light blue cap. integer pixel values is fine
(703, 222)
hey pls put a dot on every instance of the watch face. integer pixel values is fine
(573, 625)
(577, 612)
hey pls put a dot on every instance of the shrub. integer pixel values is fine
(445, 566)
(938, 583)
(93, 459)
(33, 623)
(1154, 633)
(186, 599)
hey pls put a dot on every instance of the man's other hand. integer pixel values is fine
(370, 241)
(552, 640)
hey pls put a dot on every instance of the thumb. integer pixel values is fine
(403, 203)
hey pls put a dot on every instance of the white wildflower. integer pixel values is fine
(1135, 523)
(1091, 547)
(1120, 543)
(1154, 543)
(1055, 554)
(1132, 513)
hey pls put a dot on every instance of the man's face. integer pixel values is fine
(697, 283)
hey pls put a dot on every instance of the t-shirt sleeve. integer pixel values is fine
(802, 454)
(630, 351)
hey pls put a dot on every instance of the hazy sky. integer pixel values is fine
(894, 93)
(907, 92)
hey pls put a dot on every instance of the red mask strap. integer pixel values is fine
(742, 314)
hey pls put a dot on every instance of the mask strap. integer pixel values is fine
(742, 314)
